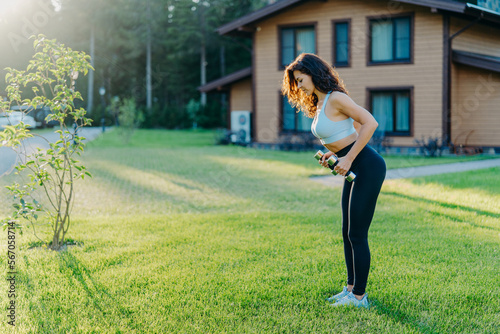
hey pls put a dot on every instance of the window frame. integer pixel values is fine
(394, 91)
(370, 19)
(281, 67)
(334, 42)
(282, 117)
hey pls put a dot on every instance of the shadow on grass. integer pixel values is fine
(43, 310)
(451, 206)
(402, 317)
(43, 306)
(98, 295)
(24, 278)
(199, 186)
(45, 245)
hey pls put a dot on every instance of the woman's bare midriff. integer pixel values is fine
(340, 144)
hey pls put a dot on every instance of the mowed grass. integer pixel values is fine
(176, 235)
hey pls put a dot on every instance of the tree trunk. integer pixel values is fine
(203, 69)
(222, 61)
(203, 51)
(90, 92)
(148, 62)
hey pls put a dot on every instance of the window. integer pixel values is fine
(392, 110)
(341, 32)
(293, 121)
(296, 40)
(390, 40)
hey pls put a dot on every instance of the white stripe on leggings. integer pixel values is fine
(349, 230)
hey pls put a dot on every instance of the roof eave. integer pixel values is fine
(450, 6)
(481, 12)
(224, 82)
(245, 25)
(240, 25)
(477, 60)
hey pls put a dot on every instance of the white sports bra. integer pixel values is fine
(328, 131)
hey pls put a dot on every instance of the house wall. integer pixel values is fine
(479, 38)
(475, 93)
(241, 95)
(475, 118)
(425, 74)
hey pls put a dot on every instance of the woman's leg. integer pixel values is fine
(346, 192)
(363, 199)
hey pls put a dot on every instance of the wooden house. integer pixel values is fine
(426, 68)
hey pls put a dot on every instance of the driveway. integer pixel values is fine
(9, 157)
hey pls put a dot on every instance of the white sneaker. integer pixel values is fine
(350, 299)
(338, 296)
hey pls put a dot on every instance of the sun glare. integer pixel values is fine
(56, 4)
(11, 6)
(6, 10)
(6, 7)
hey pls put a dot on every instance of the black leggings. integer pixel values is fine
(358, 205)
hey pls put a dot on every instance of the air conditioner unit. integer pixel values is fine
(240, 126)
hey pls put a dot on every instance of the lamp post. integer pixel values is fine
(74, 77)
(102, 91)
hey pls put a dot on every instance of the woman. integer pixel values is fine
(313, 86)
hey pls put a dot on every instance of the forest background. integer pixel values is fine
(156, 52)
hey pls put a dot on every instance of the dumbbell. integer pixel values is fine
(332, 162)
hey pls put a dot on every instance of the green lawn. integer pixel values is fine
(176, 235)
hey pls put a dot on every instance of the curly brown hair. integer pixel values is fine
(324, 78)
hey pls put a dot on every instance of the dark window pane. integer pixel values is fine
(288, 115)
(293, 121)
(402, 36)
(305, 41)
(403, 112)
(382, 48)
(341, 43)
(303, 123)
(382, 111)
(288, 48)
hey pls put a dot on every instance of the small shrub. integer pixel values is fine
(431, 146)
(129, 117)
(46, 177)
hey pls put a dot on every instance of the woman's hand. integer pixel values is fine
(344, 165)
(325, 157)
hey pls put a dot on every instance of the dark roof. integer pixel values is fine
(223, 82)
(446, 5)
(239, 24)
(485, 62)
(482, 12)
(243, 25)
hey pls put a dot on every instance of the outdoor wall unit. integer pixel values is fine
(240, 126)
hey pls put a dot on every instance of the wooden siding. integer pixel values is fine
(241, 96)
(479, 38)
(475, 116)
(424, 75)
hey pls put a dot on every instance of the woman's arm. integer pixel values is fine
(344, 104)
